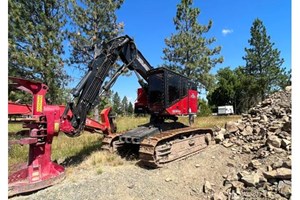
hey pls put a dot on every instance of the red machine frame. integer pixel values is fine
(43, 124)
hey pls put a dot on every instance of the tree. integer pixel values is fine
(204, 109)
(263, 63)
(225, 92)
(124, 105)
(35, 43)
(188, 51)
(130, 108)
(91, 21)
(229, 90)
(116, 103)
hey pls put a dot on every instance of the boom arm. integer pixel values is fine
(91, 86)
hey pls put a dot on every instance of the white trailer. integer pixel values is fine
(225, 110)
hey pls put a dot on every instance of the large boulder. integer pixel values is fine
(274, 141)
(279, 173)
(284, 188)
(249, 179)
(231, 127)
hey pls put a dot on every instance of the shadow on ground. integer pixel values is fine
(79, 157)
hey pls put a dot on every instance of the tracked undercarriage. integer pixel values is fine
(157, 147)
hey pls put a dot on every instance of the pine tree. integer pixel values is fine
(91, 21)
(263, 63)
(117, 108)
(124, 105)
(187, 50)
(35, 43)
(130, 108)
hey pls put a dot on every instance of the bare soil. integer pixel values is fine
(182, 179)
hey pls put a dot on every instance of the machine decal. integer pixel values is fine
(39, 103)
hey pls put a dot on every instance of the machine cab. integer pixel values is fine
(170, 93)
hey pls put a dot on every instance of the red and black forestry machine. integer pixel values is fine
(163, 95)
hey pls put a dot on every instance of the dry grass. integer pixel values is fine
(211, 121)
(16, 153)
(84, 150)
(127, 123)
(74, 150)
(14, 127)
(100, 158)
(66, 150)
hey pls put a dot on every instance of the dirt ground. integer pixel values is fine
(182, 179)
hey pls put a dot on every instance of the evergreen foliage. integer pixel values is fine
(204, 109)
(121, 107)
(263, 63)
(130, 108)
(38, 29)
(188, 51)
(90, 21)
(229, 90)
(116, 103)
(124, 105)
(35, 44)
(245, 86)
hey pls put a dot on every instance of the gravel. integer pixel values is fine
(182, 179)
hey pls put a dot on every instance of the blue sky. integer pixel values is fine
(149, 22)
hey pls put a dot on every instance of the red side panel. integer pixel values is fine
(142, 96)
(179, 108)
(182, 107)
(19, 109)
(37, 89)
(141, 105)
(193, 101)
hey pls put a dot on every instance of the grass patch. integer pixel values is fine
(66, 150)
(127, 123)
(99, 171)
(101, 158)
(72, 151)
(211, 121)
(14, 127)
(85, 148)
(17, 154)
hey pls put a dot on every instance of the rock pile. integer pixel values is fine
(265, 133)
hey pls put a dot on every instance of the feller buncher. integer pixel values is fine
(163, 95)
